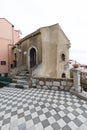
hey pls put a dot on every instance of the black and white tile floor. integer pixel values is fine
(39, 109)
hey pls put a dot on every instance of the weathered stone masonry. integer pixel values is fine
(52, 83)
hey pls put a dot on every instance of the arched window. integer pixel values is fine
(63, 57)
(63, 75)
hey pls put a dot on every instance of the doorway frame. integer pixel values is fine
(29, 56)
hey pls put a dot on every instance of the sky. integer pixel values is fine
(29, 15)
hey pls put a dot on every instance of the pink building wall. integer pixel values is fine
(8, 37)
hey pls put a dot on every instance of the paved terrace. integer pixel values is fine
(39, 109)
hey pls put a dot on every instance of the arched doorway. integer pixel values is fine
(15, 60)
(32, 57)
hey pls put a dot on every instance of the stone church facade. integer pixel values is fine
(45, 52)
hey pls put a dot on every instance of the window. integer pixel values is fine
(3, 62)
(63, 75)
(63, 57)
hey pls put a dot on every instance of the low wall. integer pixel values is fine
(52, 83)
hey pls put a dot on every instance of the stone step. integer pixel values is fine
(17, 85)
(20, 77)
(20, 81)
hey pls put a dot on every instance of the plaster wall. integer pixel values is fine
(6, 29)
(25, 45)
(48, 66)
(7, 39)
(62, 48)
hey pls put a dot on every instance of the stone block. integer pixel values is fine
(54, 88)
(33, 85)
(41, 82)
(48, 83)
(62, 87)
(63, 83)
(56, 83)
(38, 86)
(67, 88)
(70, 84)
(34, 80)
(26, 86)
(45, 87)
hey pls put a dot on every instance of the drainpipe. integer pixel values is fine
(12, 34)
(9, 45)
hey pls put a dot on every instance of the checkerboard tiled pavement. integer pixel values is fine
(39, 109)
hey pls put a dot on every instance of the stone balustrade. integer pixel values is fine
(52, 83)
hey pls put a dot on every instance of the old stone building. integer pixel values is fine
(45, 52)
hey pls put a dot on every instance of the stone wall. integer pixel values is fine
(52, 83)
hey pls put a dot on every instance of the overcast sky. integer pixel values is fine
(29, 15)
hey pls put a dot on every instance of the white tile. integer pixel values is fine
(26, 112)
(51, 120)
(39, 126)
(72, 125)
(79, 110)
(31, 107)
(34, 115)
(52, 112)
(29, 124)
(61, 123)
(38, 108)
(48, 128)
(7, 115)
(54, 105)
(42, 117)
(61, 107)
(45, 110)
(47, 104)
(20, 110)
(70, 108)
(13, 124)
(0, 123)
(81, 118)
(61, 113)
(21, 120)
(5, 127)
(71, 116)
(14, 118)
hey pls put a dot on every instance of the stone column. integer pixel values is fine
(76, 77)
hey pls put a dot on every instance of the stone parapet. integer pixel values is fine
(52, 83)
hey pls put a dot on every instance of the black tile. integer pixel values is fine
(45, 123)
(48, 114)
(40, 112)
(57, 117)
(36, 120)
(84, 115)
(26, 108)
(21, 115)
(28, 117)
(77, 122)
(66, 128)
(75, 113)
(66, 119)
(55, 126)
(32, 110)
(6, 121)
(13, 113)
(8, 111)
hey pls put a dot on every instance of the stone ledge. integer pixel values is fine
(80, 95)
